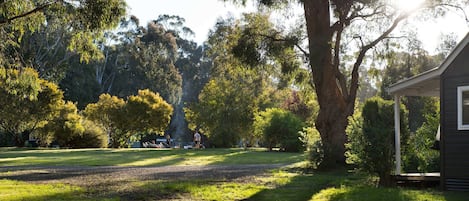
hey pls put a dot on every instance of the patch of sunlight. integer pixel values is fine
(424, 195)
(328, 194)
(278, 178)
(24, 172)
(373, 193)
(223, 191)
(236, 153)
(201, 160)
(14, 159)
(166, 160)
(15, 190)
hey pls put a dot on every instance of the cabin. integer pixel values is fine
(449, 82)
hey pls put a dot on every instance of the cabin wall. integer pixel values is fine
(454, 142)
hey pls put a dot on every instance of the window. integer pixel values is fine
(463, 108)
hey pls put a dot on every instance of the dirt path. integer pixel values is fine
(123, 182)
(82, 175)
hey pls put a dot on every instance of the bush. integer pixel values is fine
(62, 128)
(145, 112)
(420, 157)
(312, 141)
(371, 138)
(280, 128)
(92, 137)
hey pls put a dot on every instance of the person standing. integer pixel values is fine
(197, 139)
(168, 141)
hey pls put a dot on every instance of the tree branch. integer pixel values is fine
(455, 7)
(35, 10)
(285, 40)
(364, 50)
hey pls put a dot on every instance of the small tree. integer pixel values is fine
(279, 128)
(108, 112)
(63, 127)
(420, 155)
(147, 112)
(371, 138)
(27, 102)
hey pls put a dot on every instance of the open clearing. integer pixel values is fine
(211, 174)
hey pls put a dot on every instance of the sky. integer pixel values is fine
(201, 16)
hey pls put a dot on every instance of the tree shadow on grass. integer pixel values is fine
(339, 186)
(301, 187)
(305, 186)
(360, 193)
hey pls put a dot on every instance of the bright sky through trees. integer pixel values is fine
(201, 16)
(408, 4)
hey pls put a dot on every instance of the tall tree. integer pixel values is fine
(86, 19)
(238, 88)
(135, 58)
(330, 26)
(28, 102)
(404, 62)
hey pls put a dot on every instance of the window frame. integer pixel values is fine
(461, 90)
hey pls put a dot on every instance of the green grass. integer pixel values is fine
(286, 184)
(142, 157)
(342, 186)
(281, 185)
(16, 191)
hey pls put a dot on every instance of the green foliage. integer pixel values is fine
(420, 157)
(259, 43)
(33, 102)
(22, 84)
(303, 104)
(69, 129)
(241, 81)
(63, 128)
(137, 57)
(147, 112)
(224, 112)
(312, 141)
(85, 20)
(280, 128)
(108, 112)
(401, 65)
(371, 138)
(93, 136)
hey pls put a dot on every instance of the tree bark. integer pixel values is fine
(335, 105)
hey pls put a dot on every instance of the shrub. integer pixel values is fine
(63, 127)
(371, 138)
(92, 137)
(312, 141)
(420, 156)
(108, 112)
(280, 128)
(145, 112)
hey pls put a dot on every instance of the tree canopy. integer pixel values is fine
(28, 102)
(85, 19)
(340, 35)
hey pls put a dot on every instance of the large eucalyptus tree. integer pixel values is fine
(331, 26)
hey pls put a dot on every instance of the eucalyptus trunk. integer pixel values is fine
(335, 102)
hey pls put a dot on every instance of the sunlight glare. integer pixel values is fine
(408, 5)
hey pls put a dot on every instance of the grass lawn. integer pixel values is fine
(285, 184)
(142, 157)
